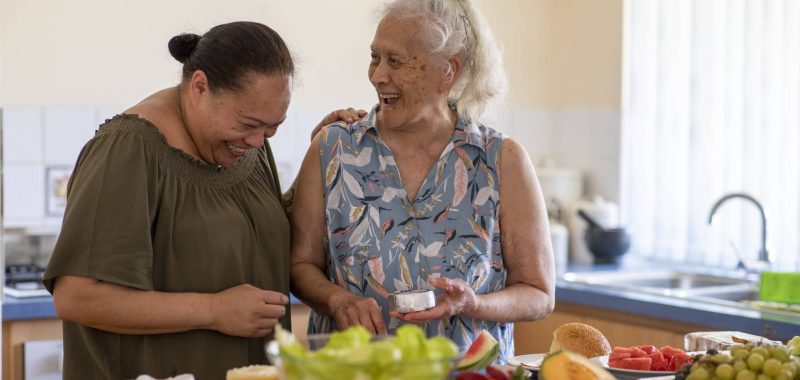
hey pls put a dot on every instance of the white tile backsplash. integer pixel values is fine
(66, 130)
(101, 114)
(588, 133)
(23, 194)
(536, 131)
(584, 139)
(22, 135)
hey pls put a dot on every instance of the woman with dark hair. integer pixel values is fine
(174, 250)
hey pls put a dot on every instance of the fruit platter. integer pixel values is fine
(578, 352)
(355, 354)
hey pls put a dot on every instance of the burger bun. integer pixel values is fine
(580, 338)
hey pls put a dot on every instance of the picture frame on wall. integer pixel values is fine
(56, 180)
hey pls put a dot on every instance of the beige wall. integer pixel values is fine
(587, 51)
(559, 53)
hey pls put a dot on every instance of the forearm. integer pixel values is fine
(314, 288)
(123, 310)
(515, 303)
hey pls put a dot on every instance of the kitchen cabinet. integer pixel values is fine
(16, 333)
(621, 329)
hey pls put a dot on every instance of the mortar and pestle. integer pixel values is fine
(607, 245)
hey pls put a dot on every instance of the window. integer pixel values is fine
(711, 105)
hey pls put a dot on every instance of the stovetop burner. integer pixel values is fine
(24, 281)
(23, 273)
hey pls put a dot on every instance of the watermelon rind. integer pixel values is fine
(484, 353)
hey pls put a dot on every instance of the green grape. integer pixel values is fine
(720, 358)
(724, 371)
(739, 365)
(746, 375)
(762, 376)
(695, 366)
(741, 354)
(794, 343)
(780, 354)
(772, 367)
(700, 374)
(736, 348)
(783, 376)
(789, 367)
(755, 362)
(761, 351)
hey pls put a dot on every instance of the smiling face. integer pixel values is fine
(408, 83)
(230, 123)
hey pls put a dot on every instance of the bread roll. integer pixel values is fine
(253, 372)
(581, 338)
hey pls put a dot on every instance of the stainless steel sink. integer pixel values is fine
(655, 280)
(705, 288)
(682, 284)
(732, 295)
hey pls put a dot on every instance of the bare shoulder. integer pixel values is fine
(514, 157)
(159, 109)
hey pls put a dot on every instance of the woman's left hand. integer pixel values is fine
(458, 299)
(349, 115)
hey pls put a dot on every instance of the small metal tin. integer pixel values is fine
(412, 300)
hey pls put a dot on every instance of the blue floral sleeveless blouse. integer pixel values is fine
(379, 241)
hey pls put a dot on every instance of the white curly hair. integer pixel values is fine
(457, 28)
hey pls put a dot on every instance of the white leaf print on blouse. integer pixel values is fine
(352, 185)
(334, 197)
(357, 237)
(391, 192)
(431, 250)
(362, 159)
(484, 194)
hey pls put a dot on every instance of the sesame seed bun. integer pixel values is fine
(253, 372)
(581, 338)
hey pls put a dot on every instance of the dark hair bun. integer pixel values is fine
(182, 45)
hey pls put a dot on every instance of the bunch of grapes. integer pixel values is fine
(746, 363)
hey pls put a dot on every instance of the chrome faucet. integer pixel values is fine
(763, 256)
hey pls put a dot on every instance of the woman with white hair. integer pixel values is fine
(410, 196)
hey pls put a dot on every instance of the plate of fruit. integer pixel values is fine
(645, 361)
(745, 362)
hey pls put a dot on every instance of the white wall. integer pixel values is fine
(563, 59)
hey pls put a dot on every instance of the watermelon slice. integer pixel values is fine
(679, 360)
(648, 349)
(637, 364)
(649, 358)
(482, 352)
(668, 351)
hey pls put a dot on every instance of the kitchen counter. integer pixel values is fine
(28, 308)
(15, 309)
(773, 324)
(723, 318)
(760, 322)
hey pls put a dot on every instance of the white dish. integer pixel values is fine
(650, 375)
(533, 361)
(530, 361)
(624, 374)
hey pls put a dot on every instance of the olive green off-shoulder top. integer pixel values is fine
(145, 215)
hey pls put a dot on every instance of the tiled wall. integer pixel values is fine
(38, 138)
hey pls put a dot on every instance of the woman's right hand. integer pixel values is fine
(350, 310)
(247, 311)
